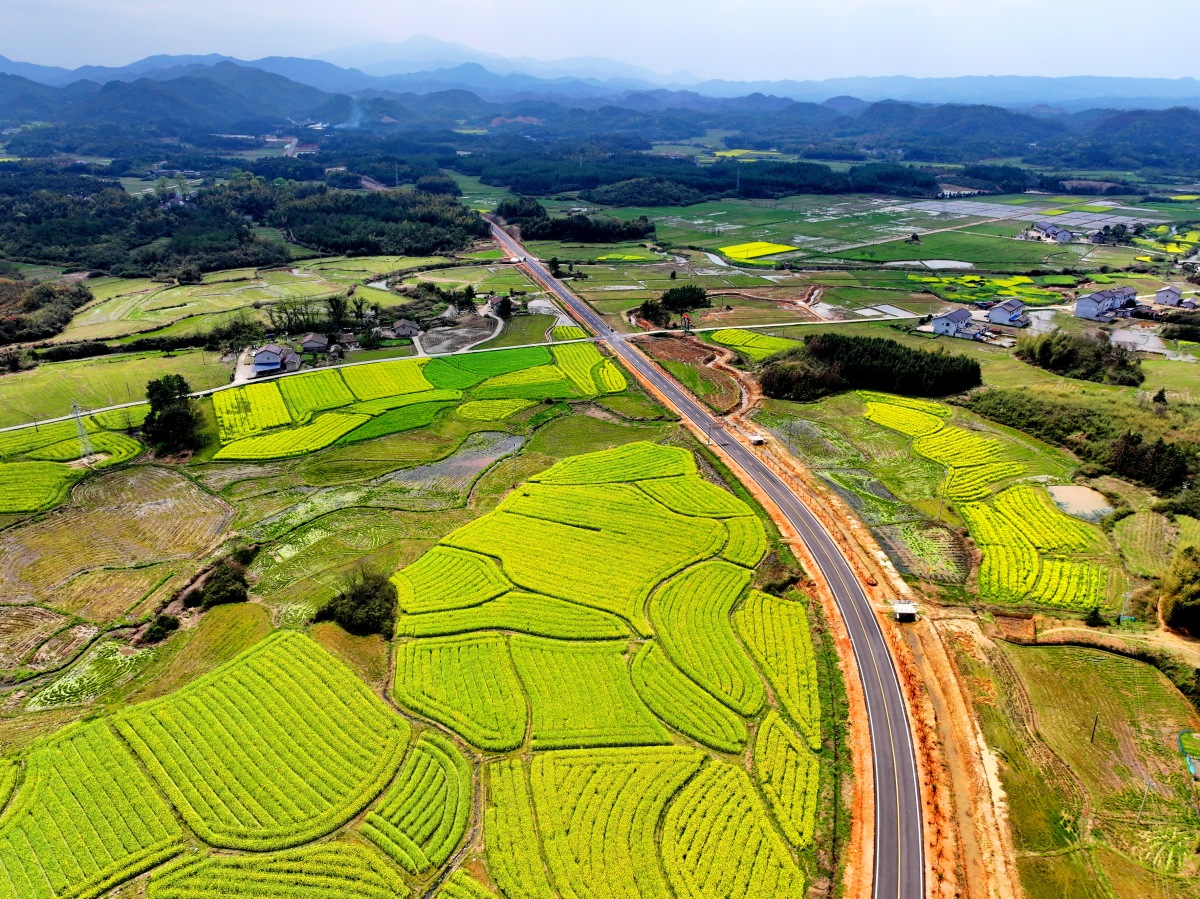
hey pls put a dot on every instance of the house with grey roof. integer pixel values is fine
(1010, 314)
(1169, 296)
(1105, 305)
(314, 343)
(1051, 232)
(953, 323)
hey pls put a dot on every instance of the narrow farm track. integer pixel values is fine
(899, 863)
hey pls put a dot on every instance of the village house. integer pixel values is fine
(1169, 296)
(406, 328)
(1010, 313)
(952, 323)
(1105, 305)
(314, 343)
(273, 359)
(1050, 232)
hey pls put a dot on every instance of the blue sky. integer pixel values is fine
(735, 39)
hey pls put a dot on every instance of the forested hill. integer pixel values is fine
(205, 105)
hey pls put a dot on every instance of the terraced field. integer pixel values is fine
(578, 646)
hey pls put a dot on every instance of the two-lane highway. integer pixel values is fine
(899, 867)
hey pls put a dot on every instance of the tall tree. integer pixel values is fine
(173, 424)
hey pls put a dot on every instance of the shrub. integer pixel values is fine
(1083, 358)
(366, 605)
(160, 628)
(227, 584)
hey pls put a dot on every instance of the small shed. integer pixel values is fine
(905, 611)
(406, 328)
(314, 343)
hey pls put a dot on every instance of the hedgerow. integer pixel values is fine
(467, 683)
(599, 811)
(425, 813)
(581, 695)
(285, 709)
(691, 616)
(683, 704)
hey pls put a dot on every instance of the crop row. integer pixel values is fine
(752, 344)
(462, 372)
(540, 525)
(314, 392)
(461, 885)
(790, 778)
(717, 841)
(692, 495)
(569, 332)
(85, 819)
(25, 440)
(492, 410)
(598, 811)
(578, 361)
(387, 403)
(581, 695)
(467, 683)
(383, 379)
(278, 747)
(323, 871)
(776, 632)
(974, 482)
(1010, 562)
(118, 447)
(425, 813)
(1064, 582)
(747, 540)
(243, 411)
(34, 486)
(683, 704)
(541, 616)
(907, 402)
(405, 418)
(911, 422)
(691, 616)
(447, 578)
(1032, 513)
(510, 834)
(632, 462)
(610, 378)
(957, 447)
(324, 431)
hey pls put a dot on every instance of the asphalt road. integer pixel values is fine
(899, 869)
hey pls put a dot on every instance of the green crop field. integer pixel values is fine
(1090, 816)
(544, 718)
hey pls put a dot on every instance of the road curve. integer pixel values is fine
(899, 865)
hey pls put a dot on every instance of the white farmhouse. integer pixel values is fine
(1010, 313)
(951, 323)
(1169, 296)
(1105, 305)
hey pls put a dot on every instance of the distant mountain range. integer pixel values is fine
(424, 65)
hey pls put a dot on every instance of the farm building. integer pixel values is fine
(272, 359)
(1169, 296)
(1049, 231)
(1010, 313)
(314, 343)
(952, 323)
(406, 328)
(1105, 305)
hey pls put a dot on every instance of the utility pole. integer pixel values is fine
(85, 442)
(1094, 725)
(1144, 797)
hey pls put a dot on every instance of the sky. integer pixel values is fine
(730, 39)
